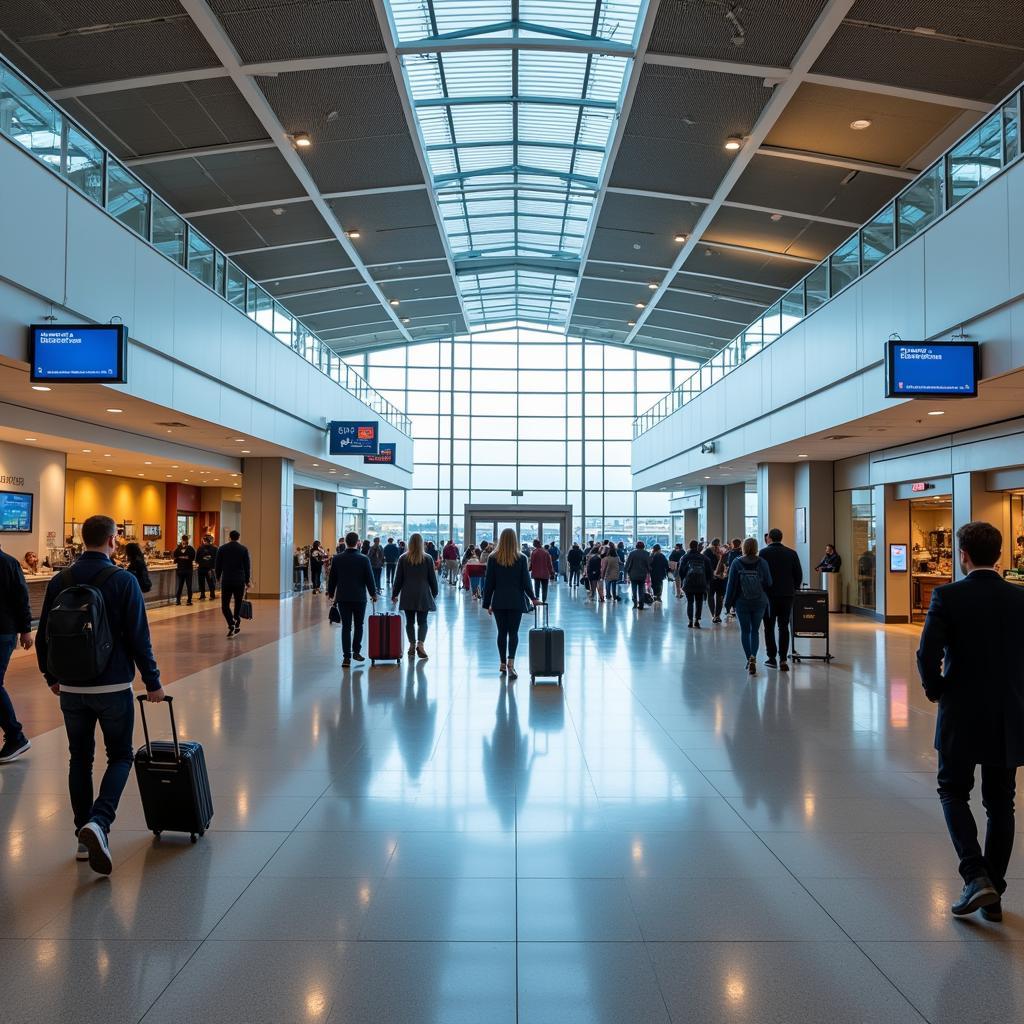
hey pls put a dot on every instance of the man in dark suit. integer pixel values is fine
(350, 581)
(233, 569)
(787, 575)
(970, 664)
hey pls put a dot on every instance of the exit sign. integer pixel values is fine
(921, 486)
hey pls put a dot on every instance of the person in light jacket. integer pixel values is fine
(611, 568)
(507, 594)
(416, 585)
(638, 567)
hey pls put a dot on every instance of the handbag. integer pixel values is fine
(334, 615)
(245, 609)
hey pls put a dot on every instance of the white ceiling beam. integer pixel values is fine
(272, 68)
(473, 43)
(354, 194)
(721, 67)
(815, 42)
(826, 159)
(752, 250)
(199, 152)
(217, 38)
(265, 204)
(665, 309)
(734, 280)
(284, 245)
(641, 38)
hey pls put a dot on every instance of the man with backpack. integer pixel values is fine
(695, 572)
(93, 633)
(787, 576)
(377, 559)
(15, 628)
(206, 558)
(392, 552)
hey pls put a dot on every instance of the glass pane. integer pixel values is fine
(972, 162)
(263, 312)
(219, 284)
(200, 258)
(920, 204)
(29, 119)
(876, 238)
(84, 164)
(792, 307)
(127, 199)
(816, 284)
(1011, 129)
(845, 264)
(168, 231)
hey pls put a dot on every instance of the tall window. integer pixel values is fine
(520, 409)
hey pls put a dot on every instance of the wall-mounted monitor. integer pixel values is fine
(897, 558)
(151, 531)
(15, 512)
(931, 369)
(77, 353)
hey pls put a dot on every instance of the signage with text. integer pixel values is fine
(897, 558)
(921, 485)
(810, 613)
(385, 455)
(353, 437)
(931, 369)
(77, 353)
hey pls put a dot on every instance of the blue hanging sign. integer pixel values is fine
(385, 455)
(353, 438)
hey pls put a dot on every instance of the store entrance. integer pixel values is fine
(546, 522)
(931, 550)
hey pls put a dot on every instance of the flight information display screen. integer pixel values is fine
(77, 353)
(931, 369)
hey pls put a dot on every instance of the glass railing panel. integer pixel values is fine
(844, 264)
(816, 287)
(971, 162)
(283, 325)
(771, 323)
(919, 204)
(201, 263)
(1011, 129)
(83, 164)
(263, 309)
(30, 119)
(219, 277)
(127, 198)
(792, 305)
(168, 231)
(877, 237)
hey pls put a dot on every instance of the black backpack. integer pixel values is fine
(78, 637)
(696, 579)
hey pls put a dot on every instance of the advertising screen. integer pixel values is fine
(897, 558)
(349, 437)
(385, 456)
(931, 369)
(77, 353)
(15, 512)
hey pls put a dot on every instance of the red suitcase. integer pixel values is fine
(385, 638)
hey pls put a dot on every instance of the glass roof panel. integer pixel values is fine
(516, 137)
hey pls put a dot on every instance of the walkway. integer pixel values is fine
(663, 840)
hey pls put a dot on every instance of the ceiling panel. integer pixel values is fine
(789, 235)
(640, 229)
(757, 33)
(285, 287)
(739, 288)
(250, 229)
(300, 259)
(390, 271)
(265, 30)
(393, 226)
(716, 332)
(344, 299)
(711, 308)
(745, 266)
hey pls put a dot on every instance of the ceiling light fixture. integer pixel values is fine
(937, 412)
(302, 140)
(733, 143)
(41, 387)
(406, 320)
(278, 211)
(652, 286)
(639, 305)
(801, 456)
(631, 323)
(30, 439)
(106, 455)
(147, 463)
(86, 451)
(395, 303)
(681, 238)
(245, 451)
(109, 471)
(115, 410)
(860, 124)
(353, 233)
(776, 217)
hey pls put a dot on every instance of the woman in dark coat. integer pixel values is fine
(416, 584)
(137, 566)
(508, 593)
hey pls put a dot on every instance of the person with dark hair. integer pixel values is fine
(136, 565)
(695, 573)
(392, 552)
(970, 665)
(103, 699)
(746, 591)
(233, 569)
(206, 558)
(15, 628)
(659, 570)
(317, 555)
(638, 568)
(542, 569)
(184, 566)
(787, 576)
(574, 561)
(376, 556)
(715, 555)
(350, 580)
(830, 561)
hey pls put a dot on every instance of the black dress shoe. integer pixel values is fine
(783, 665)
(993, 912)
(771, 663)
(977, 893)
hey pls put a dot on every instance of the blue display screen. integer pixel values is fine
(79, 354)
(15, 512)
(932, 369)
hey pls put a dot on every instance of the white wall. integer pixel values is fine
(190, 350)
(40, 473)
(967, 269)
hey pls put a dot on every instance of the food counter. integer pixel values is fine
(161, 573)
(924, 583)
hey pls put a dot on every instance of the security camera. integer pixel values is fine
(707, 448)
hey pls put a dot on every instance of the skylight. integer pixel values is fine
(516, 102)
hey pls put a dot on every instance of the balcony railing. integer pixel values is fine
(981, 154)
(41, 128)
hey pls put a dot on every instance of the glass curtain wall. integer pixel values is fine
(520, 409)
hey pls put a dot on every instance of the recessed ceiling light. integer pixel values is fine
(174, 467)
(278, 211)
(41, 387)
(108, 471)
(245, 451)
(240, 440)
(147, 463)
(106, 455)
(406, 320)
(302, 140)
(140, 474)
(316, 465)
(652, 286)
(86, 451)
(395, 303)
(776, 217)
(937, 412)
(115, 410)
(353, 233)
(707, 478)
(168, 476)
(680, 238)
(332, 471)
(636, 246)
(733, 143)
(234, 474)
(639, 305)
(29, 438)
(631, 323)
(801, 456)
(860, 124)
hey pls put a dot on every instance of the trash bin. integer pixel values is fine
(833, 584)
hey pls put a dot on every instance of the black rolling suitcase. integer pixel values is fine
(547, 649)
(173, 783)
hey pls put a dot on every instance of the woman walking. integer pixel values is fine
(316, 566)
(694, 571)
(136, 565)
(746, 592)
(507, 595)
(594, 575)
(416, 584)
(611, 569)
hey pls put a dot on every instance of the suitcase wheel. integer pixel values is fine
(533, 680)
(372, 662)
(157, 833)
(192, 837)
(559, 680)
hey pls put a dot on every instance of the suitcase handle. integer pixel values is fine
(168, 700)
(544, 605)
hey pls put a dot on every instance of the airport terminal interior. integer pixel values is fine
(620, 281)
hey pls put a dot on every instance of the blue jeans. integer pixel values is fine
(8, 720)
(612, 586)
(474, 583)
(115, 713)
(750, 615)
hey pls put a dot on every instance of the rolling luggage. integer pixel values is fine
(547, 649)
(385, 638)
(173, 783)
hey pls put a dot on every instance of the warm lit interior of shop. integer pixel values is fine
(931, 550)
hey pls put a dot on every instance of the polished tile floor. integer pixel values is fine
(664, 839)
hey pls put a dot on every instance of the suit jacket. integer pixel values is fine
(784, 565)
(232, 564)
(508, 586)
(350, 580)
(969, 660)
(415, 586)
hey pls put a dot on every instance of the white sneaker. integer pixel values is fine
(94, 839)
(82, 852)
